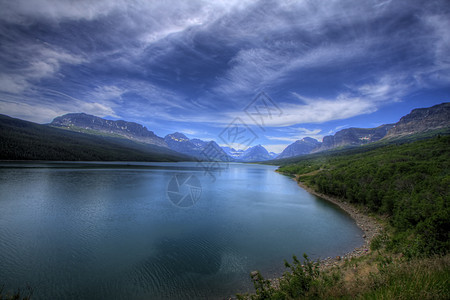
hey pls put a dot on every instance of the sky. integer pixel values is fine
(240, 72)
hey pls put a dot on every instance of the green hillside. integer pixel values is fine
(22, 140)
(405, 184)
(408, 183)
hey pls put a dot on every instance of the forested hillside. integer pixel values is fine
(22, 140)
(409, 183)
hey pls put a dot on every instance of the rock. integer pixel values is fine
(422, 119)
(254, 274)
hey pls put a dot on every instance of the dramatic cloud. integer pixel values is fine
(195, 65)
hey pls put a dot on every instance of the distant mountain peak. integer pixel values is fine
(177, 136)
(273, 154)
(196, 147)
(300, 147)
(251, 154)
(310, 140)
(255, 153)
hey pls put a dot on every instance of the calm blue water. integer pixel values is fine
(112, 230)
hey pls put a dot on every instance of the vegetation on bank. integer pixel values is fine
(408, 186)
(409, 183)
(378, 275)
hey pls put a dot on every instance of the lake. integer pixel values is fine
(157, 230)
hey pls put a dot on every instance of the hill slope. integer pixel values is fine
(23, 140)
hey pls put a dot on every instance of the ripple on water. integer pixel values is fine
(110, 233)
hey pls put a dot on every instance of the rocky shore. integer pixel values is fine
(368, 225)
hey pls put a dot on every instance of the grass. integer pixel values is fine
(417, 279)
(378, 275)
(381, 276)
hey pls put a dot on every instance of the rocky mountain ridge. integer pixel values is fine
(300, 147)
(353, 137)
(204, 150)
(129, 130)
(417, 121)
(421, 120)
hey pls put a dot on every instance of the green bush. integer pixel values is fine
(297, 281)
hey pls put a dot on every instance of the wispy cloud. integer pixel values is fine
(199, 63)
(22, 11)
(29, 106)
(317, 110)
(32, 61)
(292, 134)
(276, 148)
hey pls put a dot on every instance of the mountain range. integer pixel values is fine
(79, 136)
(199, 149)
(418, 121)
(23, 140)
(252, 154)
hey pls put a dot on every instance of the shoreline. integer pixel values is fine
(370, 227)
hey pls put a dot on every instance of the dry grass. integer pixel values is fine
(384, 277)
